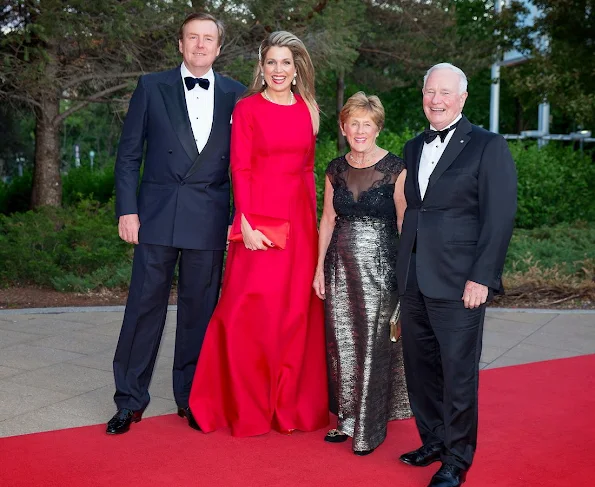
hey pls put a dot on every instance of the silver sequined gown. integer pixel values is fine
(366, 378)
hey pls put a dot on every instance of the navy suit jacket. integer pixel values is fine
(183, 198)
(464, 223)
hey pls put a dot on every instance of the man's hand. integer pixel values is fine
(128, 226)
(474, 295)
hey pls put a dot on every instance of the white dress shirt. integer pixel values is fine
(200, 104)
(430, 155)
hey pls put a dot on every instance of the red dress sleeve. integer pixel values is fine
(309, 173)
(241, 160)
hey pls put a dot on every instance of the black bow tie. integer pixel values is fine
(430, 135)
(192, 82)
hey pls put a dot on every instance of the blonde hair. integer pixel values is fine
(304, 68)
(362, 102)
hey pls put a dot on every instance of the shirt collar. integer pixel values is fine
(184, 71)
(450, 124)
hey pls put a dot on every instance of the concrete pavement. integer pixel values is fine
(56, 364)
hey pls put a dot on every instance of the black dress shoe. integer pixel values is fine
(120, 423)
(422, 457)
(448, 476)
(335, 436)
(186, 413)
(363, 453)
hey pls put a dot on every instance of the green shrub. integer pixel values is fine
(394, 142)
(16, 195)
(78, 184)
(567, 246)
(72, 248)
(555, 184)
(85, 183)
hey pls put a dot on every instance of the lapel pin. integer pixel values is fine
(462, 141)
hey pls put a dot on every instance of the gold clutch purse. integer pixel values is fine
(395, 324)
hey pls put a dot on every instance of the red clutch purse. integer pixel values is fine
(275, 229)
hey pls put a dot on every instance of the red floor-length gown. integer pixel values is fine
(262, 365)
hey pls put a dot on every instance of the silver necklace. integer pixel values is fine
(363, 162)
(291, 98)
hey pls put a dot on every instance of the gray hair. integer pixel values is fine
(454, 69)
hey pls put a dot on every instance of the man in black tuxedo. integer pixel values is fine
(461, 203)
(181, 121)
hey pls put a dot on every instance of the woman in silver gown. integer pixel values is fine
(363, 206)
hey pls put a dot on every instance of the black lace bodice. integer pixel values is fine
(365, 192)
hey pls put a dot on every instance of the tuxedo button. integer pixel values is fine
(182, 183)
(169, 151)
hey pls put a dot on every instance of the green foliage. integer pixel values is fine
(567, 246)
(556, 184)
(16, 195)
(83, 182)
(75, 248)
(560, 45)
(326, 151)
(79, 184)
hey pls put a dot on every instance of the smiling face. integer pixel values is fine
(278, 69)
(200, 46)
(360, 131)
(441, 98)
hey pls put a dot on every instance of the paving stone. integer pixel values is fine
(527, 353)
(94, 318)
(564, 341)
(28, 357)
(9, 371)
(19, 398)
(489, 354)
(10, 337)
(500, 339)
(78, 342)
(45, 419)
(521, 316)
(43, 326)
(507, 326)
(66, 378)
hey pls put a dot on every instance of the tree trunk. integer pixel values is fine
(47, 182)
(341, 145)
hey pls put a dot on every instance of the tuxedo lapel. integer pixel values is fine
(222, 108)
(457, 143)
(416, 148)
(177, 111)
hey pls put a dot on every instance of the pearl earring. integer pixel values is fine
(294, 82)
(262, 78)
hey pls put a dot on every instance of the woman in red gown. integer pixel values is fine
(262, 365)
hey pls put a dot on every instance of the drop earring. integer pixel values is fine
(294, 82)
(262, 78)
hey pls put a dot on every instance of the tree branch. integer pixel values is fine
(60, 118)
(91, 76)
(390, 54)
(26, 99)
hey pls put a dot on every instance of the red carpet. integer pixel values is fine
(537, 428)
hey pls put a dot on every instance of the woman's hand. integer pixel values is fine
(254, 239)
(318, 284)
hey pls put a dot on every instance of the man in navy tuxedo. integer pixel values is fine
(461, 201)
(181, 121)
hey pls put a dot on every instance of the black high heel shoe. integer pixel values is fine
(363, 453)
(335, 436)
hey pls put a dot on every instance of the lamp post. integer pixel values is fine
(91, 157)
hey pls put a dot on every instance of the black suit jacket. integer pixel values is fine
(464, 223)
(183, 199)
